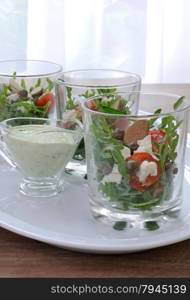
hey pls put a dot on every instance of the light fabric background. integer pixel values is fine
(148, 37)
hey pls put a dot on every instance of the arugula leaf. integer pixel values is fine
(178, 102)
(70, 104)
(38, 83)
(50, 85)
(153, 120)
(106, 109)
(107, 150)
(14, 75)
(88, 94)
(106, 91)
(124, 197)
(23, 84)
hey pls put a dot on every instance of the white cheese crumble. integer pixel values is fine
(70, 114)
(114, 176)
(105, 99)
(126, 152)
(145, 145)
(147, 168)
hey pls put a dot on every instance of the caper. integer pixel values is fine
(168, 166)
(23, 93)
(131, 166)
(118, 134)
(175, 170)
(133, 146)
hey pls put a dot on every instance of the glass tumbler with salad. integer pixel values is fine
(75, 86)
(27, 89)
(135, 162)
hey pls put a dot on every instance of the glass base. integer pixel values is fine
(143, 220)
(77, 168)
(46, 188)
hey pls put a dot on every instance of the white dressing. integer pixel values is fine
(40, 150)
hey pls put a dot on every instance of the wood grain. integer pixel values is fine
(23, 257)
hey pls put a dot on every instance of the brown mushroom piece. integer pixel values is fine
(136, 132)
(37, 92)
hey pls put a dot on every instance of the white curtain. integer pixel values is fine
(148, 37)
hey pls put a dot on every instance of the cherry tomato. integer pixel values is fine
(150, 180)
(158, 137)
(43, 100)
(91, 104)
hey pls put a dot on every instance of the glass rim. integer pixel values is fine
(44, 119)
(61, 81)
(146, 115)
(59, 68)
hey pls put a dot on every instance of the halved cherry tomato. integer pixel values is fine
(91, 104)
(43, 100)
(158, 137)
(150, 180)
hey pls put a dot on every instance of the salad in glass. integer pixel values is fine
(135, 163)
(27, 88)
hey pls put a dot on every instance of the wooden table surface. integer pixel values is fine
(23, 257)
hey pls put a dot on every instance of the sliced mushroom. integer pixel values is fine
(136, 132)
(37, 92)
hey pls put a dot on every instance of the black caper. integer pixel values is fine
(175, 170)
(106, 167)
(119, 134)
(133, 146)
(168, 166)
(131, 166)
(23, 93)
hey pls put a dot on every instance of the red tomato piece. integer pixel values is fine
(91, 104)
(150, 180)
(158, 137)
(47, 98)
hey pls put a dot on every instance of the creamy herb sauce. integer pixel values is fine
(39, 153)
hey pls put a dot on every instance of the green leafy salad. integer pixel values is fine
(134, 159)
(16, 100)
(73, 109)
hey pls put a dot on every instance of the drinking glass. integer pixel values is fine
(135, 175)
(27, 88)
(75, 86)
(40, 149)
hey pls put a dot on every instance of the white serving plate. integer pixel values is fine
(65, 220)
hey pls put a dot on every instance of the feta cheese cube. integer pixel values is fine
(114, 176)
(145, 145)
(126, 152)
(147, 168)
